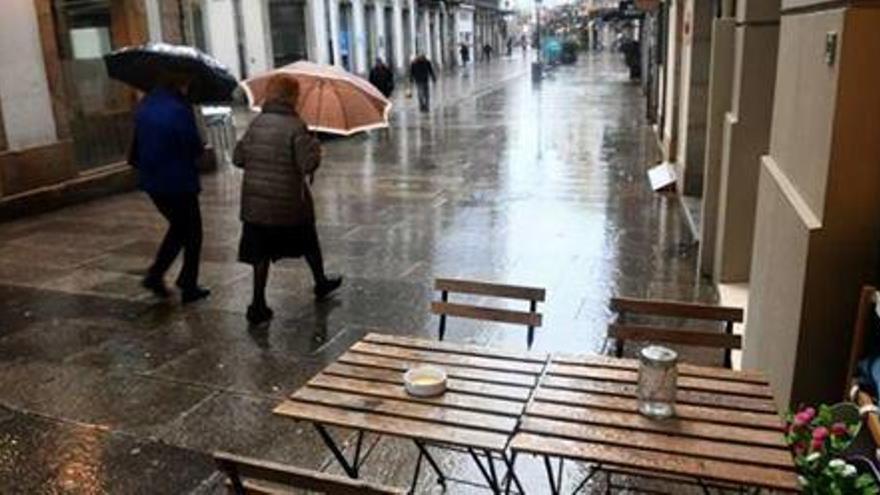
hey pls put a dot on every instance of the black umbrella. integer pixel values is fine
(141, 67)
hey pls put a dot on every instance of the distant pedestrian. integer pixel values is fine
(524, 44)
(421, 73)
(279, 158)
(487, 52)
(165, 151)
(509, 46)
(465, 54)
(382, 77)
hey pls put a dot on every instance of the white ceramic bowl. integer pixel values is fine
(425, 381)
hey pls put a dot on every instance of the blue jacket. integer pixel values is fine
(166, 144)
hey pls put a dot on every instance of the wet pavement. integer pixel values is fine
(104, 389)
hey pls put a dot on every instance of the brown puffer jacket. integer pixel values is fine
(278, 155)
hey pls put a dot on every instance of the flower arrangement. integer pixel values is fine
(818, 440)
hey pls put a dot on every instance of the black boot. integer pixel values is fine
(157, 285)
(257, 315)
(327, 286)
(192, 294)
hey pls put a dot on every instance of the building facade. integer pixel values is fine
(65, 126)
(768, 109)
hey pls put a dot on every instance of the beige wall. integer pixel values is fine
(720, 94)
(746, 138)
(817, 237)
(694, 87)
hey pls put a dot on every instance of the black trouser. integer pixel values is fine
(184, 232)
(424, 91)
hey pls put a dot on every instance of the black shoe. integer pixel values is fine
(193, 294)
(156, 285)
(257, 315)
(325, 288)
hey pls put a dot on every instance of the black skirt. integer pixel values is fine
(261, 243)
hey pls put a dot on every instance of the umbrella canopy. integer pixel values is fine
(141, 67)
(330, 99)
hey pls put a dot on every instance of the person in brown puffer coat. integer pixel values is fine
(279, 158)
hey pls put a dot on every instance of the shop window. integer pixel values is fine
(100, 108)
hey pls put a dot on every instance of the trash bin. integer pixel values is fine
(220, 132)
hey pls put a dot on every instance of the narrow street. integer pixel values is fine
(104, 386)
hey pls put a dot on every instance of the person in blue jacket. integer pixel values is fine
(165, 151)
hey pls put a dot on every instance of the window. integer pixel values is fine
(100, 109)
(288, 27)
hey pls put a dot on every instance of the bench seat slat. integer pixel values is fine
(484, 313)
(676, 309)
(698, 338)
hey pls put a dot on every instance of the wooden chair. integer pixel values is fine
(444, 308)
(622, 331)
(867, 303)
(255, 477)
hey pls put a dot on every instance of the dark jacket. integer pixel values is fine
(166, 144)
(278, 155)
(382, 77)
(421, 70)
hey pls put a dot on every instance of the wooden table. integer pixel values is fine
(363, 390)
(726, 432)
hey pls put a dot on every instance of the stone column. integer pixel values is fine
(817, 228)
(154, 20)
(438, 45)
(333, 5)
(413, 21)
(746, 136)
(317, 31)
(720, 94)
(381, 37)
(696, 41)
(427, 47)
(257, 43)
(397, 27)
(359, 39)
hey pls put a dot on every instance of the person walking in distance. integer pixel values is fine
(465, 54)
(421, 72)
(382, 78)
(487, 52)
(279, 158)
(165, 151)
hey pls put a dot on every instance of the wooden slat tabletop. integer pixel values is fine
(726, 427)
(487, 392)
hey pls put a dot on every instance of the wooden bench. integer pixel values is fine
(622, 331)
(530, 318)
(256, 477)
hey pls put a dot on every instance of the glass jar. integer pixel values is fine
(658, 374)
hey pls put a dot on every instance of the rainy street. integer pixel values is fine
(106, 389)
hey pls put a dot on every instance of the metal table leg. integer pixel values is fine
(554, 489)
(351, 468)
(423, 452)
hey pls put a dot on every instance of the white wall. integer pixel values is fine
(24, 92)
(220, 33)
(255, 18)
(154, 20)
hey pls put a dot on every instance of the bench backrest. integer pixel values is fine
(253, 476)
(623, 331)
(446, 286)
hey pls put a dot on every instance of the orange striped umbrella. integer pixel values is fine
(330, 99)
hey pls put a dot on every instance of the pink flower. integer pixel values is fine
(839, 429)
(817, 444)
(820, 433)
(804, 417)
(799, 448)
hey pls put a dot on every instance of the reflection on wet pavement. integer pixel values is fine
(103, 387)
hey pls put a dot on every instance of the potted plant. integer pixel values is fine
(818, 439)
